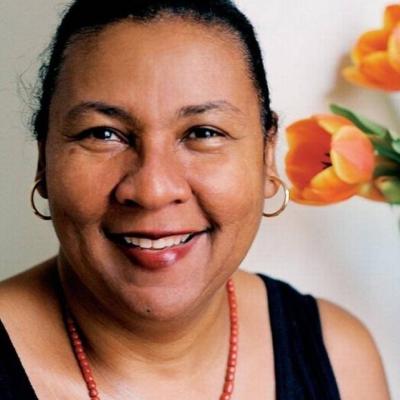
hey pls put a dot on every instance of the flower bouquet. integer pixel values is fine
(333, 157)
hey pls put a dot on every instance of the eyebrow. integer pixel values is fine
(105, 109)
(126, 117)
(220, 105)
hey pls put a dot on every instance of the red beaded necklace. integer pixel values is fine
(227, 391)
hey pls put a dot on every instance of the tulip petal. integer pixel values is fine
(298, 196)
(309, 147)
(376, 67)
(394, 49)
(369, 42)
(392, 16)
(305, 131)
(330, 188)
(370, 191)
(352, 155)
(354, 76)
(302, 166)
(331, 123)
(310, 197)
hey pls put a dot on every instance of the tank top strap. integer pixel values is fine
(302, 367)
(14, 383)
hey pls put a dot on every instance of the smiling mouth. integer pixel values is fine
(156, 250)
(146, 243)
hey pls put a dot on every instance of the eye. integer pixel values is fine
(201, 133)
(102, 133)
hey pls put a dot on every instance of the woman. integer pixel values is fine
(156, 152)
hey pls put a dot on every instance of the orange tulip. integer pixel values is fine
(376, 55)
(328, 160)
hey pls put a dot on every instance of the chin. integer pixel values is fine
(163, 304)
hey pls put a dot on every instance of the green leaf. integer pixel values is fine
(394, 135)
(396, 145)
(366, 125)
(384, 148)
(385, 151)
(389, 186)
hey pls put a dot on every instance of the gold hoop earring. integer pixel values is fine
(34, 208)
(285, 200)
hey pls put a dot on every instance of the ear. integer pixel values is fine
(41, 169)
(270, 186)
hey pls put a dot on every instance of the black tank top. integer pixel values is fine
(302, 367)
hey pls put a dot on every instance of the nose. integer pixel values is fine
(158, 180)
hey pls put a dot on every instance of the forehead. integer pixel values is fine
(160, 65)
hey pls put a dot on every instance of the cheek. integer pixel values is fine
(231, 194)
(78, 185)
(230, 188)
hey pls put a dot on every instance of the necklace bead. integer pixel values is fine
(230, 373)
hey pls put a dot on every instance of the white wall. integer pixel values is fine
(348, 253)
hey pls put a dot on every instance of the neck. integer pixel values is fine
(133, 347)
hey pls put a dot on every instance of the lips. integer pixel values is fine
(156, 250)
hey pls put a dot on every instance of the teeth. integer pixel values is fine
(158, 244)
(185, 237)
(145, 243)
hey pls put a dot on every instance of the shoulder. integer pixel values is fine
(22, 297)
(353, 354)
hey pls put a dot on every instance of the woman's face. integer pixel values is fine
(155, 135)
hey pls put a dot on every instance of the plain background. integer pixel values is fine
(348, 253)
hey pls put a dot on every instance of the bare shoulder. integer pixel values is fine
(28, 294)
(252, 292)
(248, 280)
(353, 353)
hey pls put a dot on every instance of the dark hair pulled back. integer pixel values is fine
(88, 17)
